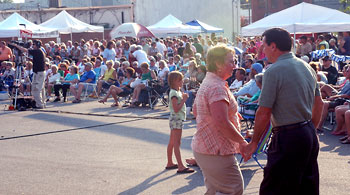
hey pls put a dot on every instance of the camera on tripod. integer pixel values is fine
(20, 43)
(20, 59)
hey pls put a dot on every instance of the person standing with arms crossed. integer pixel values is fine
(38, 54)
(290, 98)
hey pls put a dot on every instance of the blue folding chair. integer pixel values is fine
(262, 145)
(248, 117)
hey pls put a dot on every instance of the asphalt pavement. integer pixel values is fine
(92, 148)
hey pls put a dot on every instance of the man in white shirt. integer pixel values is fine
(238, 82)
(109, 53)
(160, 46)
(250, 88)
(140, 55)
(304, 47)
(53, 78)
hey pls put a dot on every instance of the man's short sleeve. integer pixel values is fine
(317, 90)
(105, 53)
(269, 90)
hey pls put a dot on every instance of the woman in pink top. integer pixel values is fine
(218, 136)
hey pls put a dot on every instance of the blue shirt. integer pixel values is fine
(249, 88)
(88, 75)
(98, 72)
(172, 68)
(345, 89)
(71, 77)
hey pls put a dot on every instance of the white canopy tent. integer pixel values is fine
(15, 24)
(67, 24)
(302, 18)
(171, 25)
(206, 28)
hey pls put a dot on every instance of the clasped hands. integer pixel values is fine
(247, 149)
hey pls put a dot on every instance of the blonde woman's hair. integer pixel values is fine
(75, 68)
(174, 76)
(216, 55)
(110, 61)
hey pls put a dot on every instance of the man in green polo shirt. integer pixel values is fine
(290, 99)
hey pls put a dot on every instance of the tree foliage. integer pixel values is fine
(346, 6)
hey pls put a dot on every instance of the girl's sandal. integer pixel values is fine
(115, 104)
(347, 141)
(101, 101)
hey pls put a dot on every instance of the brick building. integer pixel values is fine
(262, 8)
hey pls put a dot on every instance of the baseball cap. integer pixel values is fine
(257, 67)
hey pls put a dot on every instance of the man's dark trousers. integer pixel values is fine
(292, 162)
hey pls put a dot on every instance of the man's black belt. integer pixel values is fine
(290, 127)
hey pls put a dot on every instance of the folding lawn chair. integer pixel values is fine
(262, 145)
(247, 111)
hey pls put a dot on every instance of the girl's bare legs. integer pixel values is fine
(170, 149)
(177, 142)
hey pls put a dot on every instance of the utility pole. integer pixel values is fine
(266, 8)
(40, 15)
(249, 3)
(133, 2)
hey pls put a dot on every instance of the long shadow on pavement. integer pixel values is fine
(195, 180)
(144, 134)
(149, 182)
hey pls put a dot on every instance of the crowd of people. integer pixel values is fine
(124, 66)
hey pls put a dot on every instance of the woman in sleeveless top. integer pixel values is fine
(123, 90)
(96, 49)
(147, 75)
